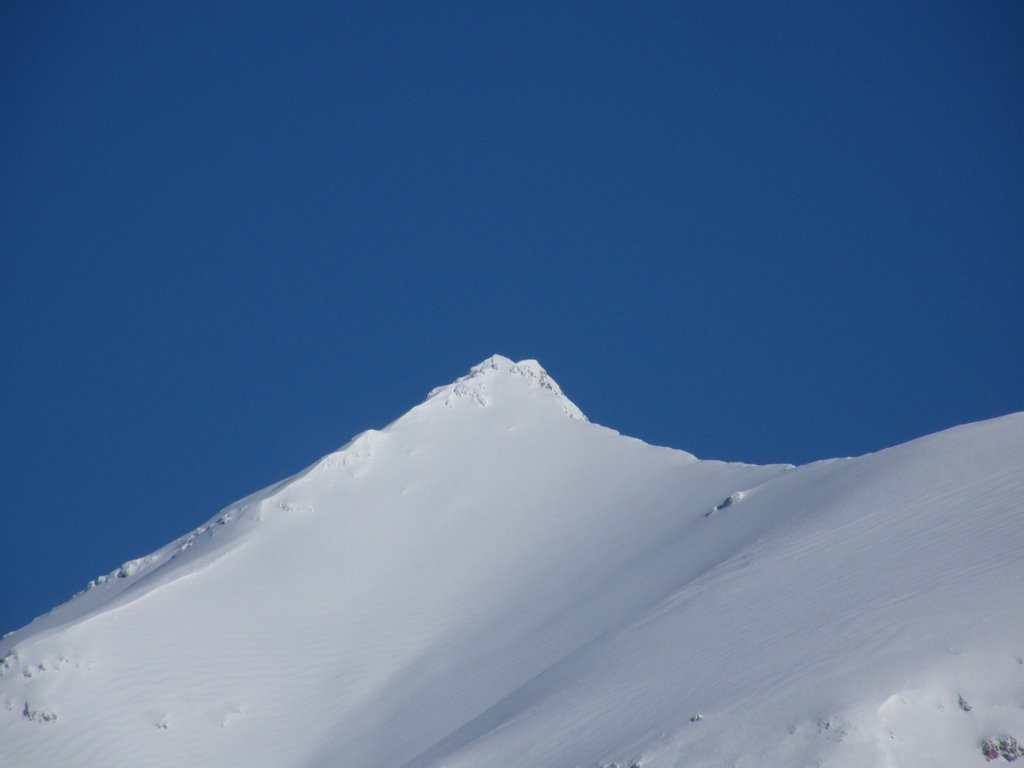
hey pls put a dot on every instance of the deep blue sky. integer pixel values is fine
(234, 235)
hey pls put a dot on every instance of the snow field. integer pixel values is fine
(492, 580)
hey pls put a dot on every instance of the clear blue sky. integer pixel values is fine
(234, 235)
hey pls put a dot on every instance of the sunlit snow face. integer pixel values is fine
(485, 581)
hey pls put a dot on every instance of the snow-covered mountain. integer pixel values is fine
(492, 580)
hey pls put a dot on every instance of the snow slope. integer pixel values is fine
(491, 580)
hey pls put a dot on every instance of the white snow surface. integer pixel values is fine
(491, 580)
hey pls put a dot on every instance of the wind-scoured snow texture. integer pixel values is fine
(493, 581)
(475, 386)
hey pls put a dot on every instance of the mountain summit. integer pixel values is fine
(491, 580)
(474, 385)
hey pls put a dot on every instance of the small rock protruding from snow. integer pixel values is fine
(729, 501)
(837, 728)
(38, 715)
(1006, 747)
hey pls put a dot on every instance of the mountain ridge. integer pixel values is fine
(485, 581)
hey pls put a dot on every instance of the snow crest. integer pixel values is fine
(475, 386)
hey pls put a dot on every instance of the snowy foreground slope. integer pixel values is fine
(493, 581)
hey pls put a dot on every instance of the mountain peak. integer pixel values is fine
(488, 583)
(476, 386)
